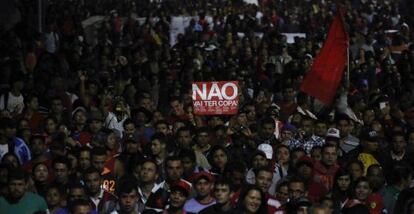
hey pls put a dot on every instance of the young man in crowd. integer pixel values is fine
(203, 184)
(20, 199)
(96, 194)
(128, 199)
(148, 176)
(222, 194)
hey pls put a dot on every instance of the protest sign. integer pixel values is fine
(215, 98)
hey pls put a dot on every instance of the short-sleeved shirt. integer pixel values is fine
(29, 204)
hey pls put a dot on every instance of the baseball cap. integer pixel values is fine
(267, 149)
(304, 160)
(333, 133)
(182, 186)
(203, 174)
(370, 135)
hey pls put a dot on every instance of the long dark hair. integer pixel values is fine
(240, 204)
(337, 193)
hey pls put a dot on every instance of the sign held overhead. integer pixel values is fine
(215, 98)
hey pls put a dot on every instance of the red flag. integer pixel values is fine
(326, 73)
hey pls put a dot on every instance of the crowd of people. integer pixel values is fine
(102, 121)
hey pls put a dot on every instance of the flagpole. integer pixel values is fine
(347, 67)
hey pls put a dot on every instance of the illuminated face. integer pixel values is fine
(362, 190)
(252, 201)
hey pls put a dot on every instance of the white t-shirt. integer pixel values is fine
(4, 148)
(14, 104)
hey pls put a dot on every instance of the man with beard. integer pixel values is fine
(19, 200)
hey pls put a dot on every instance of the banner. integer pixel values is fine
(215, 98)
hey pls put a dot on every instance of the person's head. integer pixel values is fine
(333, 136)
(79, 116)
(362, 189)
(188, 159)
(259, 159)
(289, 93)
(399, 143)
(222, 191)
(327, 204)
(174, 168)
(203, 184)
(375, 175)
(162, 126)
(252, 200)
(218, 157)
(61, 169)
(282, 192)
(129, 127)
(177, 106)
(184, 137)
(282, 155)
(145, 102)
(17, 183)
(93, 180)
(288, 132)
(203, 136)
(8, 127)
(264, 178)
(37, 145)
(32, 102)
(56, 105)
(40, 172)
(342, 180)
(329, 155)
(10, 159)
(401, 175)
(267, 127)
(297, 188)
(236, 171)
(316, 153)
(76, 191)
(84, 158)
(158, 144)
(215, 121)
(98, 157)
(80, 206)
(111, 140)
(95, 121)
(179, 195)
(343, 124)
(296, 154)
(320, 128)
(356, 169)
(304, 167)
(149, 172)
(53, 196)
(250, 110)
(307, 126)
(369, 116)
(127, 195)
(369, 141)
(51, 125)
